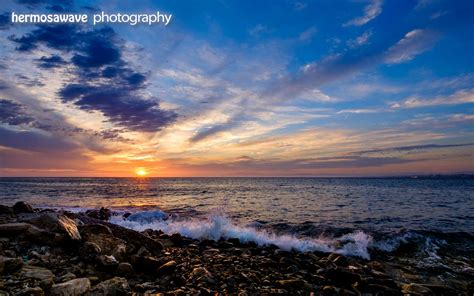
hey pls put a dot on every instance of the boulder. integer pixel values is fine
(10, 265)
(55, 222)
(71, 288)
(22, 207)
(107, 261)
(101, 236)
(114, 287)
(90, 250)
(15, 229)
(6, 210)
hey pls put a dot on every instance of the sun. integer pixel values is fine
(141, 172)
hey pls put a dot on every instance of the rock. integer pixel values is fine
(55, 222)
(10, 265)
(35, 272)
(73, 287)
(22, 207)
(101, 214)
(145, 263)
(329, 290)
(113, 287)
(291, 283)
(416, 289)
(107, 261)
(100, 235)
(90, 250)
(341, 275)
(166, 268)
(340, 261)
(125, 269)
(6, 210)
(36, 291)
(200, 274)
(120, 252)
(176, 239)
(15, 229)
(67, 277)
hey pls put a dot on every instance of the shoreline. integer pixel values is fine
(51, 252)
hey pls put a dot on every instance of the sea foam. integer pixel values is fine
(218, 226)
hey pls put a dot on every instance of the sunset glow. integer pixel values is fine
(141, 172)
(314, 95)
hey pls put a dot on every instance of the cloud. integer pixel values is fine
(102, 80)
(371, 11)
(5, 21)
(33, 141)
(360, 40)
(357, 111)
(13, 113)
(53, 61)
(460, 97)
(414, 43)
(409, 149)
(307, 34)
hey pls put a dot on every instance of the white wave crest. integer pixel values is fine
(218, 226)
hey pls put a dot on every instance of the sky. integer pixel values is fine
(239, 88)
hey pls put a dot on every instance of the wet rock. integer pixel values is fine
(35, 272)
(10, 265)
(73, 287)
(341, 275)
(166, 268)
(145, 263)
(55, 222)
(101, 214)
(340, 261)
(125, 269)
(114, 287)
(441, 290)
(35, 291)
(22, 207)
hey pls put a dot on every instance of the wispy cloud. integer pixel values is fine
(414, 43)
(459, 97)
(371, 11)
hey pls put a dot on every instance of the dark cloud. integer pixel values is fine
(24, 80)
(408, 149)
(5, 21)
(53, 61)
(13, 113)
(32, 141)
(103, 80)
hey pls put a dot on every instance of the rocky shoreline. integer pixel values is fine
(47, 252)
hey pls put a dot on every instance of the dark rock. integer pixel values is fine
(36, 291)
(107, 261)
(166, 268)
(340, 261)
(291, 283)
(35, 272)
(10, 265)
(101, 214)
(6, 210)
(22, 207)
(125, 269)
(73, 287)
(114, 287)
(329, 290)
(55, 222)
(416, 289)
(90, 250)
(177, 239)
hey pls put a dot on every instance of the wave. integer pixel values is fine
(218, 226)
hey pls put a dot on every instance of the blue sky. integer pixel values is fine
(313, 88)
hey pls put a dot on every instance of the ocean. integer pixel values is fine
(361, 217)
